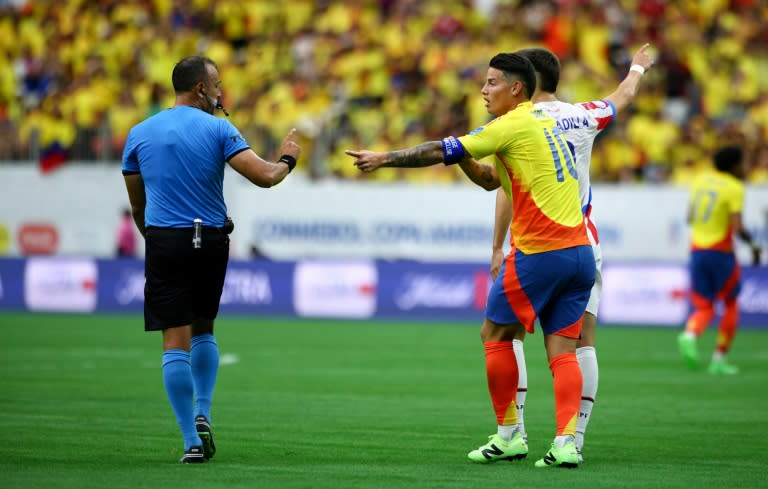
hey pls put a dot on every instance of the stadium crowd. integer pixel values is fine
(364, 74)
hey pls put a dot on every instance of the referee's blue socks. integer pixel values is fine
(205, 364)
(177, 378)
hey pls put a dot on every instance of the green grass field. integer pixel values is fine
(346, 404)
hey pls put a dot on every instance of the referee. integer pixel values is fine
(173, 165)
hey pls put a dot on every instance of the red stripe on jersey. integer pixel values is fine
(603, 121)
(592, 228)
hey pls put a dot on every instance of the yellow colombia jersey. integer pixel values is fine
(538, 173)
(715, 197)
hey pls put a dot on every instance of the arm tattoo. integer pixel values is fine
(480, 173)
(425, 154)
(485, 173)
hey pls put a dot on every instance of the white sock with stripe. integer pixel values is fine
(522, 385)
(587, 359)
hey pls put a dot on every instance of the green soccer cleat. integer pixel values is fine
(565, 456)
(499, 449)
(688, 350)
(720, 367)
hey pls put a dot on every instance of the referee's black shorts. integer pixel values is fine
(183, 283)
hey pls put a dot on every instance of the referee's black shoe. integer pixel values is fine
(194, 455)
(206, 434)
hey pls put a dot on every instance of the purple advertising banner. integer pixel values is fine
(633, 293)
(753, 299)
(443, 291)
(12, 284)
(251, 287)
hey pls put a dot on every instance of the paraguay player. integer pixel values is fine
(714, 214)
(580, 123)
(551, 269)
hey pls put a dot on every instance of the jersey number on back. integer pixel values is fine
(703, 203)
(556, 140)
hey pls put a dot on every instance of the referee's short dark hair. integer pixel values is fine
(727, 158)
(189, 71)
(519, 66)
(547, 67)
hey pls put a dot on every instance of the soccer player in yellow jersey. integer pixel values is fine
(581, 123)
(714, 214)
(551, 268)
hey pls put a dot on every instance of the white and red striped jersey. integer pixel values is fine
(581, 123)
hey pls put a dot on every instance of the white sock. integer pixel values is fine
(506, 432)
(522, 385)
(587, 359)
(718, 356)
(690, 334)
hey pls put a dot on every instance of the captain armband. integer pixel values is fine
(453, 150)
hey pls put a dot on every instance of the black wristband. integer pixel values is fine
(288, 160)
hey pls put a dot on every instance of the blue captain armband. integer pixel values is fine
(453, 150)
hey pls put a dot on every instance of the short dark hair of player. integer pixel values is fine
(189, 71)
(518, 66)
(728, 158)
(547, 67)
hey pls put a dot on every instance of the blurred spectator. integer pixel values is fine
(381, 72)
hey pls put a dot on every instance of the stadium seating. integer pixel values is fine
(383, 74)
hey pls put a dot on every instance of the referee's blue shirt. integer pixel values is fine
(180, 154)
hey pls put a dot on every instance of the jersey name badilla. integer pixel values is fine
(571, 123)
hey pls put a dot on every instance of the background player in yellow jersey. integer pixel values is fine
(714, 213)
(551, 268)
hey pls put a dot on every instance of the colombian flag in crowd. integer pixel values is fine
(52, 156)
(56, 135)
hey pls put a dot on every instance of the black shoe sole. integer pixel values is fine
(195, 455)
(206, 435)
(515, 457)
(209, 448)
(192, 459)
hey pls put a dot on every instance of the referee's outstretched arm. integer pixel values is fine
(266, 173)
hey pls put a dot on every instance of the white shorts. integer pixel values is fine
(594, 297)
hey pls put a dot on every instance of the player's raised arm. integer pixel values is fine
(627, 89)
